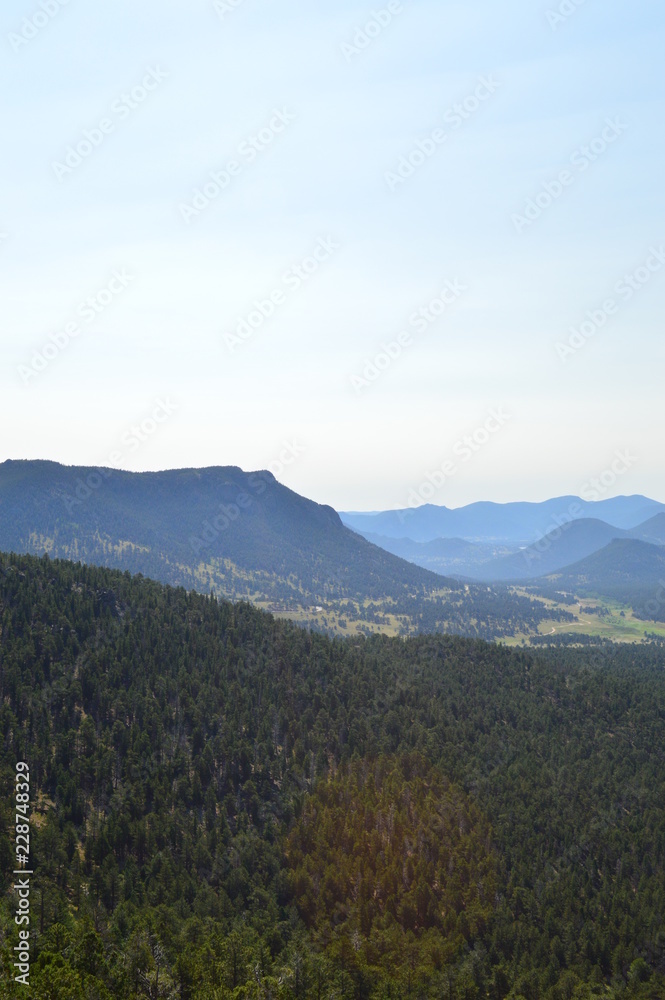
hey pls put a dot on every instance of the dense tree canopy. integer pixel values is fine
(197, 766)
(388, 854)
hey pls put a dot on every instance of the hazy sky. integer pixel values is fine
(425, 197)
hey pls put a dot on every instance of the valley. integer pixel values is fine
(244, 536)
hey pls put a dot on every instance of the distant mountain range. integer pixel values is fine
(243, 536)
(578, 552)
(568, 544)
(507, 524)
(448, 556)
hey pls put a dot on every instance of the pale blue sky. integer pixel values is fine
(218, 80)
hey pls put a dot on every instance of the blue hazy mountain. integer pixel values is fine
(582, 553)
(448, 556)
(567, 545)
(652, 530)
(509, 524)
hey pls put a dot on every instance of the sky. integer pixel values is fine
(394, 253)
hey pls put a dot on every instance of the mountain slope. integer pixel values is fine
(626, 570)
(243, 535)
(561, 547)
(652, 531)
(168, 522)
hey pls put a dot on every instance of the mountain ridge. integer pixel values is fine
(242, 536)
(513, 523)
(566, 546)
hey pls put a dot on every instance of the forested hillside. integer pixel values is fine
(626, 570)
(227, 806)
(244, 536)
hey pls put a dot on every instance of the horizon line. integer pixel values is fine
(375, 512)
